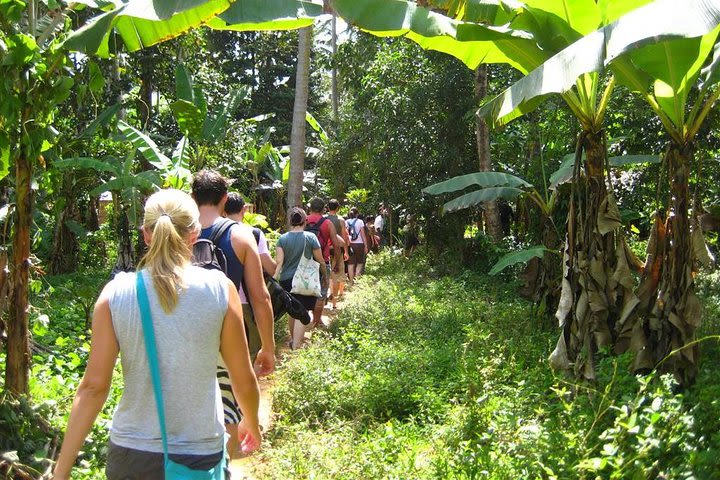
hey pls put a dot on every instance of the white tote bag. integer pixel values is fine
(306, 280)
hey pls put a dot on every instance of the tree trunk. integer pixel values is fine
(297, 136)
(490, 209)
(65, 247)
(597, 285)
(333, 39)
(18, 341)
(670, 311)
(147, 66)
(125, 259)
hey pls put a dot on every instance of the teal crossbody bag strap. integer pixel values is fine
(151, 349)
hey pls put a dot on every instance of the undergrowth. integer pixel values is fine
(428, 376)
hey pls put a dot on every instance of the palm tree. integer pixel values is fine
(297, 135)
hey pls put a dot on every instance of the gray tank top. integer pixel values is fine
(188, 342)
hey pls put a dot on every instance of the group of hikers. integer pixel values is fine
(203, 287)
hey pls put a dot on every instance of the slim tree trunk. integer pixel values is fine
(333, 39)
(297, 136)
(490, 209)
(147, 67)
(18, 344)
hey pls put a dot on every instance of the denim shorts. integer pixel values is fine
(130, 464)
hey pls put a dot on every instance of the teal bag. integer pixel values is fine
(173, 471)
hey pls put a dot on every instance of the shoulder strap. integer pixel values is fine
(219, 229)
(151, 349)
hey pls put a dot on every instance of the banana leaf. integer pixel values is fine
(482, 179)
(479, 196)
(519, 256)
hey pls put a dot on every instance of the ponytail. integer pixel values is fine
(171, 216)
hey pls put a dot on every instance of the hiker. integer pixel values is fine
(372, 235)
(338, 275)
(209, 189)
(327, 235)
(290, 247)
(411, 236)
(235, 210)
(358, 244)
(195, 313)
(379, 224)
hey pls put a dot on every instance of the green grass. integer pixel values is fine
(429, 376)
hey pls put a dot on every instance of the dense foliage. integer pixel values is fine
(446, 377)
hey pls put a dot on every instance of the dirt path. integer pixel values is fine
(244, 468)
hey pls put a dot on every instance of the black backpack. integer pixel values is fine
(315, 228)
(207, 254)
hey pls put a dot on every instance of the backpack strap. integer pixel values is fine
(219, 229)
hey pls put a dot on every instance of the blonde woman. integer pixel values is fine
(195, 313)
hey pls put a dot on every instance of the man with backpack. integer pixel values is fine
(328, 237)
(239, 259)
(338, 277)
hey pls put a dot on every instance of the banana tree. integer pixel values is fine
(127, 188)
(668, 311)
(668, 53)
(201, 126)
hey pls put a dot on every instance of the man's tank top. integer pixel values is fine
(235, 269)
(188, 342)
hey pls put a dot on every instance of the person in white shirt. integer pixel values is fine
(380, 225)
(358, 244)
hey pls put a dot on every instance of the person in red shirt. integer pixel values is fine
(328, 237)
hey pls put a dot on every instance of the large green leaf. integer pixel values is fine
(675, 66)
(216, 123)
(479, 196)
(312, 121)
(594, 51)
(4, 156)
(77, 163)
(144, 145)
(268, 15)
(184, 84)
(472, 43)
(519, 256)
(482, 179)
(101, 120)
(189, 118)
(141, 23)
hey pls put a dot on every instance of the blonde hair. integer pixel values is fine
(170, 216)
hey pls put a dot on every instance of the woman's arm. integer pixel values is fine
(234, 351)
(93, 389)
(279, 257)
(268, 263)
